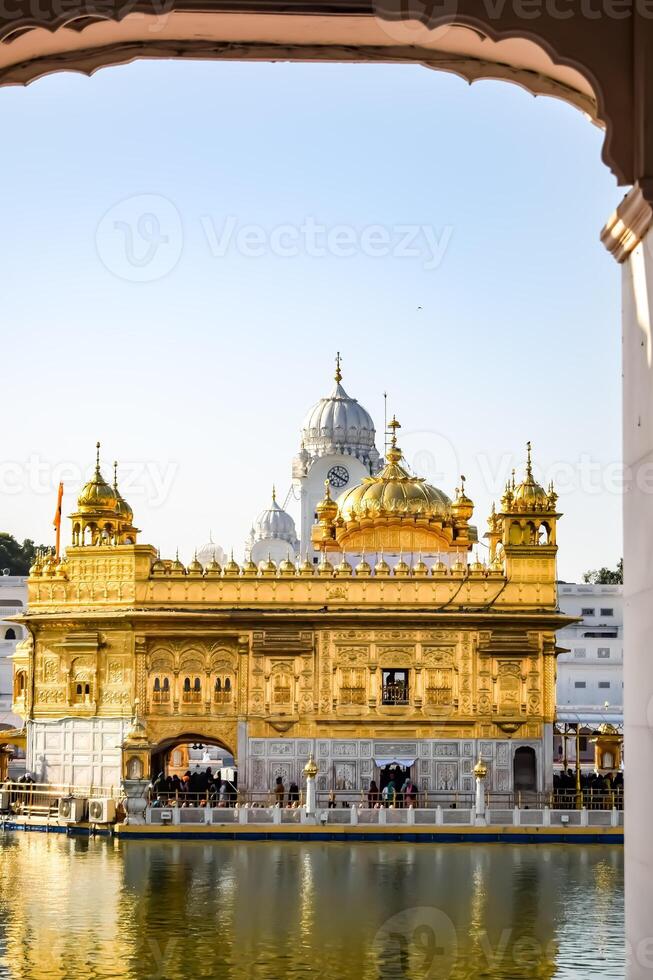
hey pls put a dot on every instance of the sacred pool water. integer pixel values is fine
(74, 908)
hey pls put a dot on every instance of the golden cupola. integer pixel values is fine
(529, 495)
(391, 512)
(103, 516)
(96, 496)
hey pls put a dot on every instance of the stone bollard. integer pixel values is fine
(353, 814)
(516, 817)
(546, 816)
(410, 815)
(584, 818)
(614, 817)
(276, 814)
(438, 815)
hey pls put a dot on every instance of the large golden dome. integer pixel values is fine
(394, 492)
(97, 495)
(393, 512)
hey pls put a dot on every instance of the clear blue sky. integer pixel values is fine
(200, 377)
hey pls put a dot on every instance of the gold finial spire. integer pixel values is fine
(274, 493)
(529, 468)
(115, 474)
(97, 458)
(393, 455)
(338, 374)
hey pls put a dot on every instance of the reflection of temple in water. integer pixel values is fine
(240, 911)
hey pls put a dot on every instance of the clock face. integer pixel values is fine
(338, 476)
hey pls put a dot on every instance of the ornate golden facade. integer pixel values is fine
(431, 666)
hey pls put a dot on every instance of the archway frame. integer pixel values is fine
(589, 52)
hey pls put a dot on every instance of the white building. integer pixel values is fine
(13, 599)
(591, 674)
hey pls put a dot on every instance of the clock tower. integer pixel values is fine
(338, 447)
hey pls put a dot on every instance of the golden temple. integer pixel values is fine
(432, 660)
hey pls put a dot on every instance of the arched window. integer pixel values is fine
(227, 683)
(166, 685)
(157, 685)
(20, 684)
(186, 684)
(197, 686)
(10, 634)
(218, 685)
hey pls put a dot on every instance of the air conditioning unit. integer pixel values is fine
(72, 809)
(102, 810)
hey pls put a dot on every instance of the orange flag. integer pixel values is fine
(57, 518)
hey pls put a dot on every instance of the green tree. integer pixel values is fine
(15, 556)
(606, 576)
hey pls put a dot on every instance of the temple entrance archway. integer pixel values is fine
(524, 767)
(192, 751)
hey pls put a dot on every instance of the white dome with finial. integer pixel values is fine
(211, 552)
(337, 424)
(274, 533)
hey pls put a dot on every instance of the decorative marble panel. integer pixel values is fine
(467, 765)
(445, 750)
(323, 748)
(446, 776)
(468, 784)
(487, 750)
(283, 769)
(365, 750)
(366, 767)
(257, 747)
(279, 749)
(502, 780)
(259, 779)
(503, 754)
(424, 767)
(345, 776)
(468, 749)
(395, 748)
(348, 750)
(304, 748)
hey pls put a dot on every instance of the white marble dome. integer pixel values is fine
(274, 523)
(211, 552)
(337, 424)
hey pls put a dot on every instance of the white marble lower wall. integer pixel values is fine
(344, 764)
(79, 751)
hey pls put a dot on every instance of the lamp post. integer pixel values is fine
(310, 771)
(480, 772)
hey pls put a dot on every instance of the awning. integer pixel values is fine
(14, 736)
(396, 760)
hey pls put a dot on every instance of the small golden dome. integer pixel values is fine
(268, 568)
(287, 567)
(195, 568)
(213, 569)
(439, 568)
(177, 567)
(477, 567)
(327, 508)
(480, 769)
(459, 566)
(382, 568)
(402, 567)
(158, 567)
(62, 569)
(97, 495)
(529, 495)
(462, 507)
(325, 568)
(37, 566)
(250, 569)
(344, 568)
(363, 568)
(307, 568)
(124, 511)
(421, 569)
(232, 568)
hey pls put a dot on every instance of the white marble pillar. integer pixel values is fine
(480, 774)
(628, 237)
(310, 771)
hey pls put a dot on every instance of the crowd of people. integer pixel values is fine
(197, 788)
(593, 785)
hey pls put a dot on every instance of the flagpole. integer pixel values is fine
(57, 521)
